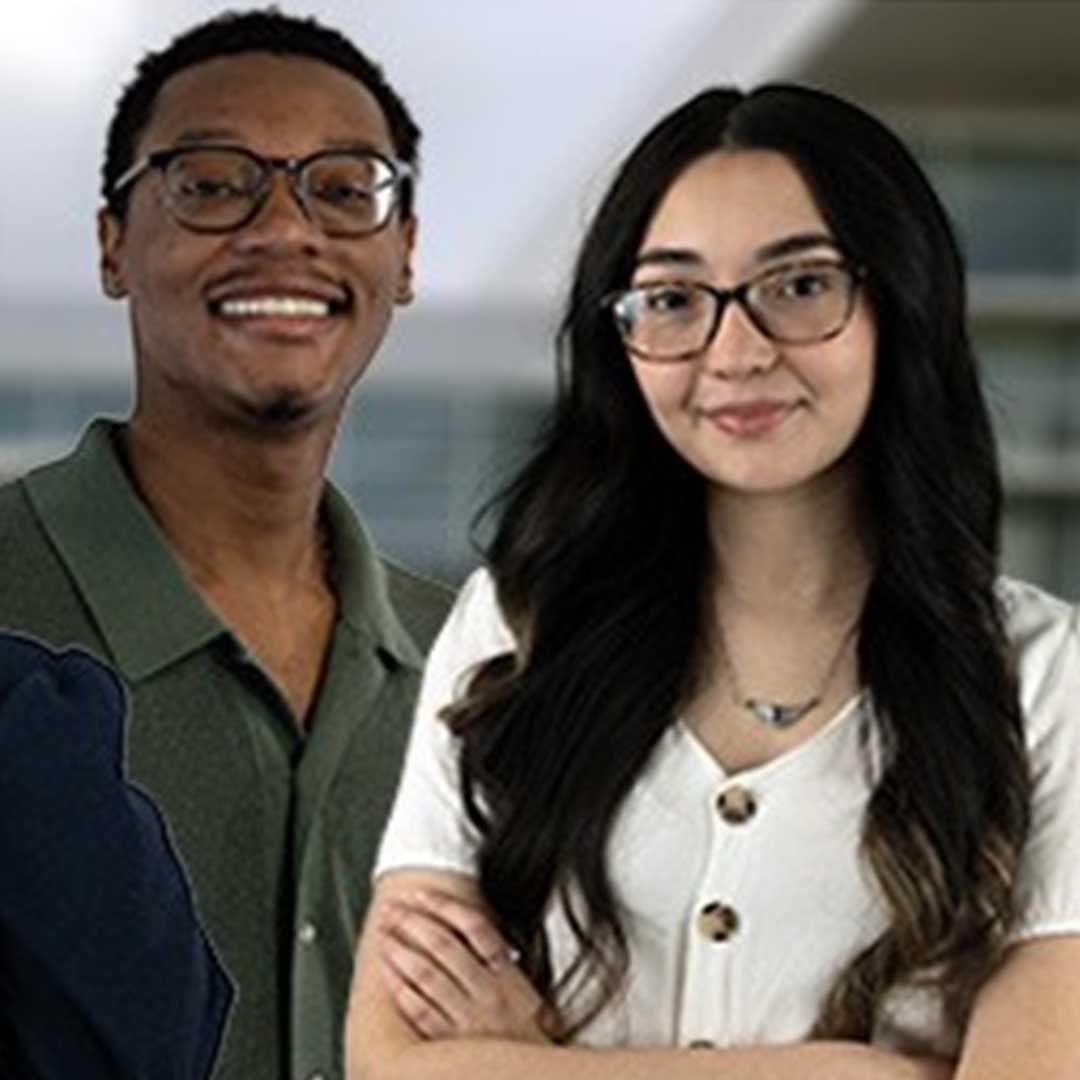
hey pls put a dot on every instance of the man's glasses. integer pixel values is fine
(796, 304)
(220, 188)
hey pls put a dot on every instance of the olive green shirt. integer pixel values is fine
(278, 830)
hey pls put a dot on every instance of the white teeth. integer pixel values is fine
(295, 307)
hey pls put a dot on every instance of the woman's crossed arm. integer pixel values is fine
(435, 997)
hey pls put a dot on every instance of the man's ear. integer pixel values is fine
(403, 294)
(110, 233)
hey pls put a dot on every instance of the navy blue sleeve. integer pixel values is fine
(104, 969)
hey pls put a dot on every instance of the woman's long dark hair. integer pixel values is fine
(600, 561)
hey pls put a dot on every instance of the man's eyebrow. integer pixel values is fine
(357, 144)
(230, 135)
(198, 135)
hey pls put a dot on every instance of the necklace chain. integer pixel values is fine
(775, 714)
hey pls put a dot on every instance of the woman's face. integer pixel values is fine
(751, 414)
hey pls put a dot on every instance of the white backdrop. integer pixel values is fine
(525, 106)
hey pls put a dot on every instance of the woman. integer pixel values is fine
(739, 742)
(104, 970)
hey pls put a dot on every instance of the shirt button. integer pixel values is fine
(307, 934)
(317, 1076)
(717, 921)
(736, 804)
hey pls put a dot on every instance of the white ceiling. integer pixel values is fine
(526, 107)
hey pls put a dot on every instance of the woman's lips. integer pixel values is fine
(749, 419)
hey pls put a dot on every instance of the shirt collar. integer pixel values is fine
(359, 579)
(148, 612)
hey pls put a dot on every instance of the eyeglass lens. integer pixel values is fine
(346, 193)
(796, 304)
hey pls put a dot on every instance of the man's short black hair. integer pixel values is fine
(264, 30)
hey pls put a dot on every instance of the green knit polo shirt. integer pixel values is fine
(277, 829)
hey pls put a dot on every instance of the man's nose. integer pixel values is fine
(281, 221)
(738, 347)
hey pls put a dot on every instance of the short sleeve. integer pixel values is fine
(428, 828)
(1048, 884)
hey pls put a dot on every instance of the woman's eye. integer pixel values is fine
(805, 284)
(668, 301)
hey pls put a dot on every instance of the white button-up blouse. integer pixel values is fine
(743, 895)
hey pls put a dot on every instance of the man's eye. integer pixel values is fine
(342, 193)
(206, 187)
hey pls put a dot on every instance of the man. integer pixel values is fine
(104, 971)
(259, 222)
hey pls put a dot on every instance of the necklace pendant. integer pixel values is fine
(775, 715)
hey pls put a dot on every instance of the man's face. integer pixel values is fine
(275, 362)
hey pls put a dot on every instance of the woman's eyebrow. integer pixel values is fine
(793, 245)
(774, 249)
(666, 256)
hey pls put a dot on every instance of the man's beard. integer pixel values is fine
(283, 411)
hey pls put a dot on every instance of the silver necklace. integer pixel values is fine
(775, 714)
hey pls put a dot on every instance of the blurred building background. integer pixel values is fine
(526, 108)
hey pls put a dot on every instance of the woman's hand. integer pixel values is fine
(451, 974)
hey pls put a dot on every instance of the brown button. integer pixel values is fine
(701, 1044)
(717, 921)
(736, 804)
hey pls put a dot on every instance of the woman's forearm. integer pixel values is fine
(479, 1004)
(480, 1059)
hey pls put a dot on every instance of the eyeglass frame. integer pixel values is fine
(737, 293)
(292, 166)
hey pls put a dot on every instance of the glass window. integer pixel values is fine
(1016, 215)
